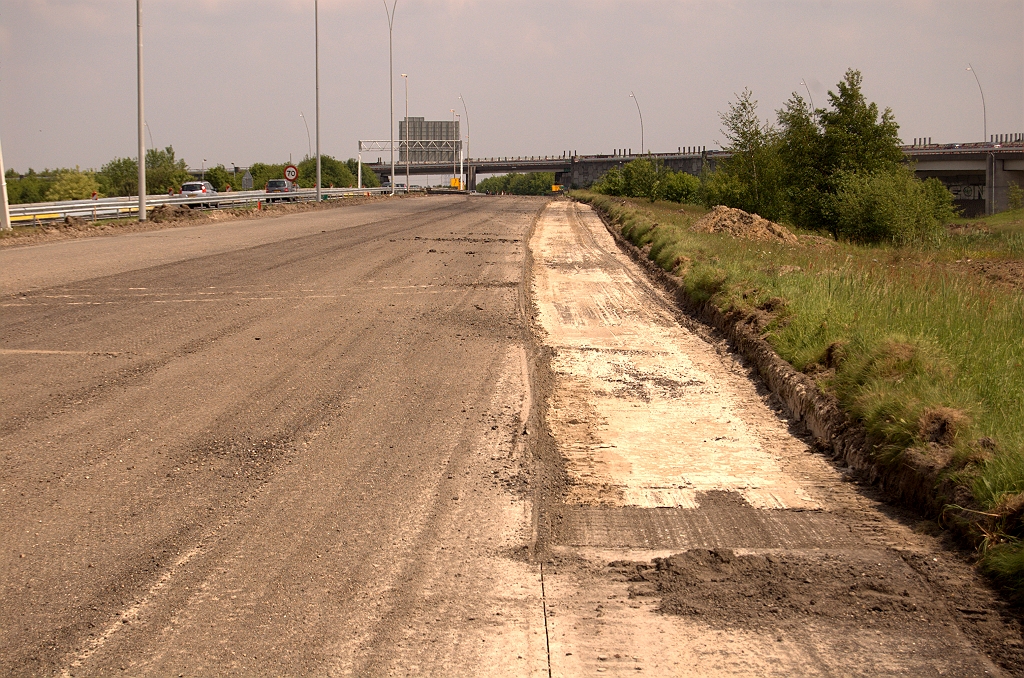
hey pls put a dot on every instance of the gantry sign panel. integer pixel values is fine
(422, 140)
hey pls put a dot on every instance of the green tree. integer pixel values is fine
(754, 170)
(804, 177)
(855, 136)
(333, 173)
(262, 173)
(120, 176)
(370, 179)
(218, 176)
(72, 185)
(31, 187)
(164, 172)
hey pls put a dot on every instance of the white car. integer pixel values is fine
(197, 189)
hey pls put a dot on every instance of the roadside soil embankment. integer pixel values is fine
(690, 492)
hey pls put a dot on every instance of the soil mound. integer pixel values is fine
(775, 591)
(165, 213)
(742, 224)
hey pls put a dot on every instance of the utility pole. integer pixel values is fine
(142, 122)
(406, 76)
(469, 158)
(5, 214)
(391, 84)
(316, 41)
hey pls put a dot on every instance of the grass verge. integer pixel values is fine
(917, 344)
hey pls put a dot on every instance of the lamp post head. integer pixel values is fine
(404, 75)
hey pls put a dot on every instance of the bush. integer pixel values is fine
(890, 206)
(1015, 196)
(643, 178)
(682, 187)
(533, 183)
(72, 185)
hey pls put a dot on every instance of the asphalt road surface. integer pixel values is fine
(431, 436)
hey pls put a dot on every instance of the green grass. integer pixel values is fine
(923, 348)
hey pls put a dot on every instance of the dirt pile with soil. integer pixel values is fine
(776, 591)
(742, 224)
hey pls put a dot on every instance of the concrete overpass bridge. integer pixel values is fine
(978, 174)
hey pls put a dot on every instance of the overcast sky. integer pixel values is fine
(227, 79)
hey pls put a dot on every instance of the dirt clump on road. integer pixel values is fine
(742, 224)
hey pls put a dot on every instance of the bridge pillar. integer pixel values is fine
(471, 177)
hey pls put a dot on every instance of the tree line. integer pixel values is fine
(514, 183)
(165, 173)
(838, 169)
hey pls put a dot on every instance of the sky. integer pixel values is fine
(226, 80)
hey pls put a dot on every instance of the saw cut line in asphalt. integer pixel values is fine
(770, 563)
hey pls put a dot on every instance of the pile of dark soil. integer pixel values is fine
(167, 213)
(742, 224)
(774, 591)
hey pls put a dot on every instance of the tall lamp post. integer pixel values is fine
(5, 214)
(142, 118)
(316, 42)
(406, 77)
(468, 156)
(984, 113)
(455, 144)
(391, 83)
(804, 83)
(633, 97)
(309, 144)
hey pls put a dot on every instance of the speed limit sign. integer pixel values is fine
(291, 172)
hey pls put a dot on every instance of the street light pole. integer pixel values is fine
(5, 214)
(468, 156)
(455, 144)
(406, 76)
(804, 83)
(142, 118)
(316, 32)
(309, 144)
(391, 83)
(984, 113)
(633, 97)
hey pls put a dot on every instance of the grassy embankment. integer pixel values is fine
(915, 342)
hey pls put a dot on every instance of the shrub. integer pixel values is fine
(681, 187)
(514, 183)
(890, 206)
(644, 178)
(1015, 196)
(73, 185)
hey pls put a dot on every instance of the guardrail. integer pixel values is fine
(125, 207)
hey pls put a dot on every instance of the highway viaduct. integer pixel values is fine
(978, 174)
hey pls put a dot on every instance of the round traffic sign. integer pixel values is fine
(291, 172)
